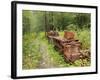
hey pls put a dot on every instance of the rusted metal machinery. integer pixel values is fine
(69, 48)
(51, 34)
(66, 45)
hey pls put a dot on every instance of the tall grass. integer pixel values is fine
(84, 37)
(35, 46)
(31, 55)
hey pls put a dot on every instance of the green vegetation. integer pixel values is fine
(36, 48)
(38, 52)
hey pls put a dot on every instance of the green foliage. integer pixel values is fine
(61, 20)
(56, 57)
(27, 21)
(31, 55)
(36, 21)
(35, 48)
(37, 52)
(82, 19)
(72, 27)
(84, 36)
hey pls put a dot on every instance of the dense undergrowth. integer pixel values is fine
(39, 53)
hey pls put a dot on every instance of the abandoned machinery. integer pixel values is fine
(67, 45)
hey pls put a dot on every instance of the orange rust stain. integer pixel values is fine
(69, 35)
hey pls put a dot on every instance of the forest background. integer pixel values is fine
(37, 52)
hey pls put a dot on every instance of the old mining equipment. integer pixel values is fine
(67, 45)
